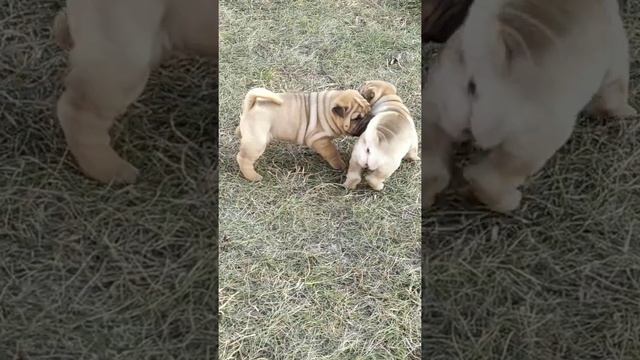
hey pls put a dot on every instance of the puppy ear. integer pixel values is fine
(343, 112)
(369, 94)
(340, 110)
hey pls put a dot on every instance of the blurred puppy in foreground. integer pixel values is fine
(113, 47)
(514, 78)
(389, 137)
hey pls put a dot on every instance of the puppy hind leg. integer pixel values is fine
(376, 178)
(354, 174)
(250, 152)
(86, 111)
(61, 32)
(110, 66)
(612, 99)
(412, 155)
(437, 149)
(496, 178)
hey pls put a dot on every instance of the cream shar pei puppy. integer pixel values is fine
(514, 77)
(390, 136)
(114, 45)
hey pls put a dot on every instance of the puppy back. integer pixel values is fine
(387, 125)
(508, 30)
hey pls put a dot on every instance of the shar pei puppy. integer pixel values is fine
(312, 119)
(390, 136)
(514, 78)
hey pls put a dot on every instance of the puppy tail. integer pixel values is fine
(61, 31)
(255, 93)
(372, 137)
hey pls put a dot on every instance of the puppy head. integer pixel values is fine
(375, 89)
(349, 108)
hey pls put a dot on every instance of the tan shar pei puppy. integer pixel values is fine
(113, 47)
(311, 119)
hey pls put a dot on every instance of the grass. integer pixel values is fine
(309, 270)
(98, 272)
(558, 279)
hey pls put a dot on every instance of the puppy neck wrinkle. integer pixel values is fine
(305, 114)
(319, 124)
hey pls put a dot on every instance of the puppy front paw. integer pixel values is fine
(253, 177)
(434, 181)
(338, 164)
(509, 202)
(375, 183)
(428, 199)
(107, 166)
(504, 202)
(351, 182)
(492, 190)
(625, 111)
(412, 155)
(126, 173)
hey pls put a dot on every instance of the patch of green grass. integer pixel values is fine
(309, 270)
(558, 279)
(90, 271)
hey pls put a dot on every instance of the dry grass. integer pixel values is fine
(307, 269)
(560, 278)
(98, 272)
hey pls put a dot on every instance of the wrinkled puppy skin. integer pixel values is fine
(311, 119)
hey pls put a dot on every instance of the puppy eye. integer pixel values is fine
(368, 151)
